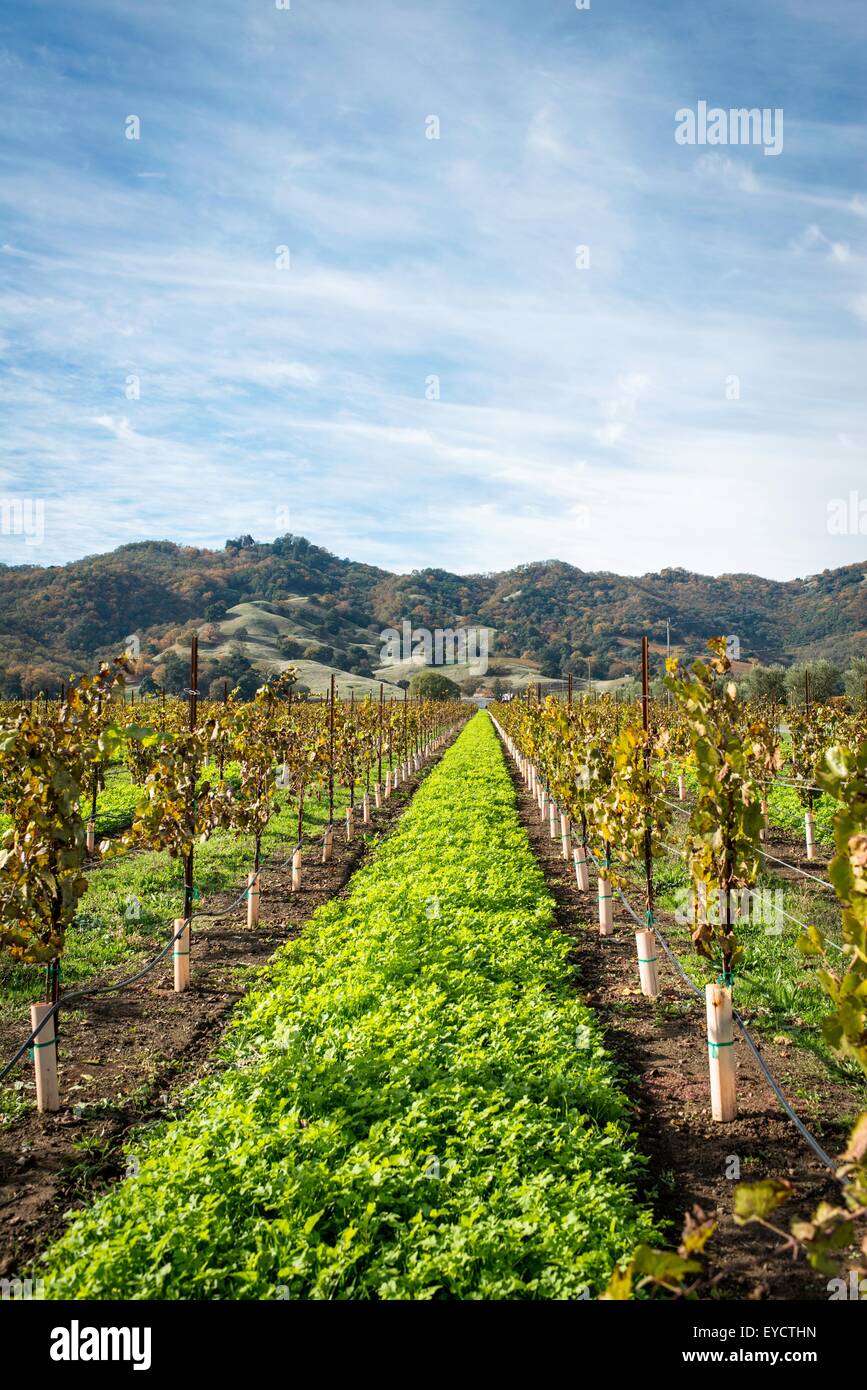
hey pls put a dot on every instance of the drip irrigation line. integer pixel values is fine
(805, 1134)
(224, 911)
(87, 992)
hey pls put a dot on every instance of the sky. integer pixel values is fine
(434, 284)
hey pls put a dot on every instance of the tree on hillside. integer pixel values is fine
(429, 685)
(236, 664)
(552, 658)
(291, 649)
(247, 684)
(174, 676)
(10, 684)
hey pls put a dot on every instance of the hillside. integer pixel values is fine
(290, 600)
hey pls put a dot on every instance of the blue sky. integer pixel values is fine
(583, 414)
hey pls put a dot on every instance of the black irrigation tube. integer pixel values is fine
(66, 999)
(809, 1139)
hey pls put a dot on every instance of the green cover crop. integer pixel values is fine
(415, 1105)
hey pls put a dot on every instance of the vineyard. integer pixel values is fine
(371, 987)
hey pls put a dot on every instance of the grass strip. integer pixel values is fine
(415, 1105)
(126, 913)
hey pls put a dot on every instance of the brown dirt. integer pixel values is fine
(660, 1048)
(126, 1058)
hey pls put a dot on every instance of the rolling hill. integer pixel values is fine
(292, 601)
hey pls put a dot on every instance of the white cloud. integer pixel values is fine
(559, 388)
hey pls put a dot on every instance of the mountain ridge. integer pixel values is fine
(546, 615)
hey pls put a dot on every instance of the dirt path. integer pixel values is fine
(127, 1058)
(660, 1046)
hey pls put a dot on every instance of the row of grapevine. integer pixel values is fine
(198, 768)
(607, 767)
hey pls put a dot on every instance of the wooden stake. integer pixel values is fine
(721, 1053)
(331, 697)
(181, 955)
(645, 942)
(252, 899)
(45, 1060)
